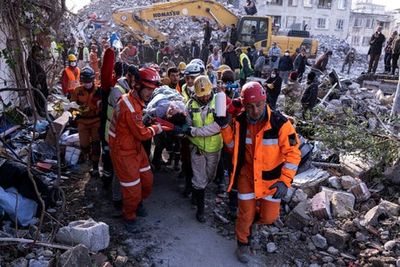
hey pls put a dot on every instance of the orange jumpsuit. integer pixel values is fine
(70, 79)
(128, 155)
(89, 120)
(263, 153)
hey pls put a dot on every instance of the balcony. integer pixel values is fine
(324, 4)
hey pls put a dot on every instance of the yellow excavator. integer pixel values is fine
(136, 19)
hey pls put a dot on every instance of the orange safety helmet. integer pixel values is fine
(149, 77)
(252, 92)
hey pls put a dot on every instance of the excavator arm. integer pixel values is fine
(136, 18)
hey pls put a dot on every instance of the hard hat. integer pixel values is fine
(202, 86)
(87, 75)
(223, 67)
(71, 57)
(252, 92)
(182, 66)
(193, 70)
(198, 62)
(149, 78)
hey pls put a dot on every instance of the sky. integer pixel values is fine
(75, 5)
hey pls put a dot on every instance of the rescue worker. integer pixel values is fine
(322, 61)
(88, 97)
(206, 141)
(349, 60)
(123, 86)
(165, 65)
(129, 157)
(173, 75)
(70, 76)
(265, 159)
(244, 65)
(273, 87)
(375, 49)
(310, 96)
(191, 72)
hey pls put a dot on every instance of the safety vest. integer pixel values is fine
(241, 58)
(185, 93)
(209, 143)
(276, 151)
(110, 110)
(73, 79)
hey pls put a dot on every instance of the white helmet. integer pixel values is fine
(198, 62)
(193, 70)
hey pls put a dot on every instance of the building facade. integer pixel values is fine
(364, 19)
(328, 17)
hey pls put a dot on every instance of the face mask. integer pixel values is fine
(286, 54)
(273, 75)
(88, 85)
(72, 64)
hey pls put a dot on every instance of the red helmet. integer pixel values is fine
(149, 77)
(252, 92)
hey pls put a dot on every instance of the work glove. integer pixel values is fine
(223, 121)
(281, 189)
(147, 119)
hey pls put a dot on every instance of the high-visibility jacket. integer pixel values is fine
(70, 79)
(185, 93)
(241, 58)
(276, 151)
(90, 101)
(208, 144)
(110, 108)
(127, 130)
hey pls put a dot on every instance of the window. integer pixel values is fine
(369, 23)
(276, 20)
(245, 36)
(355, 40)
(342, 4)
(321, 23)
(324, 4)
(306, 23)
(365, 41)
(357, 22)
(290, 21)
(276, 2)
(307, 3)
(292, 3)
(339, 24)
(263, 26)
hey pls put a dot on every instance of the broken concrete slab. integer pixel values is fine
(342, 204)
(334, 181)
(354, 165)
(77, 256)
(336, 238)
(384, 208)
(311, 180)
(298, 218)
(59, 126)
(319, 241)
(347, 182)
(361, 192)
(299, 196)
(320, 206)
(94, 235)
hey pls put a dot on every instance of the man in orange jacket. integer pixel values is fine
(70, 76)
(265, 159)
(128, 155)
(88, 97)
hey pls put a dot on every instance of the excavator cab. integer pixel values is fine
(254, 30)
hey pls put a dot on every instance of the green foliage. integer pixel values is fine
(6, 54)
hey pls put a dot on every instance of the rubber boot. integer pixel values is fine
(188, 186)
(200, 205)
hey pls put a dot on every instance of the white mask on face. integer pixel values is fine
(72, 64)
(286, 54)
(273, 75)
(88, 85)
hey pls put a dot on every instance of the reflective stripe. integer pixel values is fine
(249, 141)
(248, 196)
(145, 169)
(154, 132)
(270, 141)
(130, 183)
(231, 144)
(128, 104)
(290, 166)
(270, 198)
(111, 133)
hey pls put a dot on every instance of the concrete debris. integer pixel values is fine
(319, 241)
(40, 263)
(77, 256)
(361, 192)
(335, 182)
(299, 196)
(347, 182)
(383, 208)
(332, 250)
(355, 165)
(271, 247)
(336, 238)
(298, 218)
(390, 245)
(320, 206)
(94, 235)
(342, 204)
(310, 177)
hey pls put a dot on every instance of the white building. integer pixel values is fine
(364, 19)
(328, 17)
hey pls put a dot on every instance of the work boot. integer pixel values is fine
(131, 226)
(200, 205)
(141, 211)
(243, 253)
